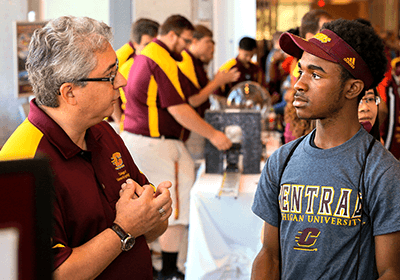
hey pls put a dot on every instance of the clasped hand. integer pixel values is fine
(138, 208)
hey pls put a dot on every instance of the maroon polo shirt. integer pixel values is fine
(201, 74)
(87, 185)
(253, 73)
(203, 80)
(151, 89)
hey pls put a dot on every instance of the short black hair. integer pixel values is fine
(295, 31)
(310, 21)
(247, 44)
(144, 26)
(176, 23)
(364, 40)
(364, 21)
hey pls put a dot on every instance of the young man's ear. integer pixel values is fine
(353, 88)
(67, 94)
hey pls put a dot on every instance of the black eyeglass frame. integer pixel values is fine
(187, 41)
(109, 79)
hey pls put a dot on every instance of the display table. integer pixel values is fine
(224, 234)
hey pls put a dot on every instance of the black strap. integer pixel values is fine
(361, 193)
(298, 141)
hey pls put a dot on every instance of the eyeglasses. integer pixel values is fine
(108, 79)
(370, 100)
(187, 41)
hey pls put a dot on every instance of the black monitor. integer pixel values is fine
(26, 193)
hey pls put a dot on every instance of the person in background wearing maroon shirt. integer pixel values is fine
(143, 31)
(101, 224)
(158, 119)
(249, 71)
(193, 64)
(195, 59)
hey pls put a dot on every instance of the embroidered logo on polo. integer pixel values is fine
(351, 61)
(306, 239)
(323, 38)
(116, 160)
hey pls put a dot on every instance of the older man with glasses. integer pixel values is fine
(105, 211)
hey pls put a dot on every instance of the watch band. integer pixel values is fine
(127, 240)
(118, 230)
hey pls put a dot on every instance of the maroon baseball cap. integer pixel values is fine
(329, 46)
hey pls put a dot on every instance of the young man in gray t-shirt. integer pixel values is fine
(330, 200)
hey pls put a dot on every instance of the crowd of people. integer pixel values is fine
(120, 187)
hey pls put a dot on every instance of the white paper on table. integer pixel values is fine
(9, 239)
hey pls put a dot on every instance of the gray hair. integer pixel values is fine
(64, 51)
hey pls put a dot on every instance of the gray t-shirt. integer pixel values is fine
(320, 224)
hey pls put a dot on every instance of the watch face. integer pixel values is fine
(128, 243)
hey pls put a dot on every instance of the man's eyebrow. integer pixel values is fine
(110, 67)
(313, 67)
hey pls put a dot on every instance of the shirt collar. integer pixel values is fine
(174, 55)
(56, 135)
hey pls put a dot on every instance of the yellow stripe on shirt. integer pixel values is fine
(23, 142)
(124, 70)
(187, 68)
(152, 104)
(123, 53)
(164, 60)
(228, 65)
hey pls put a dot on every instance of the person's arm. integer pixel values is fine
(90, 259)
(387, 252)
(220, 79)
(186, 116)
(266, 263)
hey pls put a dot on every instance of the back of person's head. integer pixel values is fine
(364, 21)
(144, 26)
(64, 51)
(247, 44)
(201, 31)
(176, 23)
(310, 22)
(359, 35)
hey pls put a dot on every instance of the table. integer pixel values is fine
(224, 234)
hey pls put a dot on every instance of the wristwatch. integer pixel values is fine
(127, 240)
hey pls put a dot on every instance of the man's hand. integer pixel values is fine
(220, 140)
(223, 78)
(138, 209)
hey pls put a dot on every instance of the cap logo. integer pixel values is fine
(323, 38)
(351, 61)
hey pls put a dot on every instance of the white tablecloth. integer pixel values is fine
(224, 234)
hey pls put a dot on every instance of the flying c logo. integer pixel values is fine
(116, 160)
(306, 239)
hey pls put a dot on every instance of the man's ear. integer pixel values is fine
(353, 88)
(67, 93)
(172, 34)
